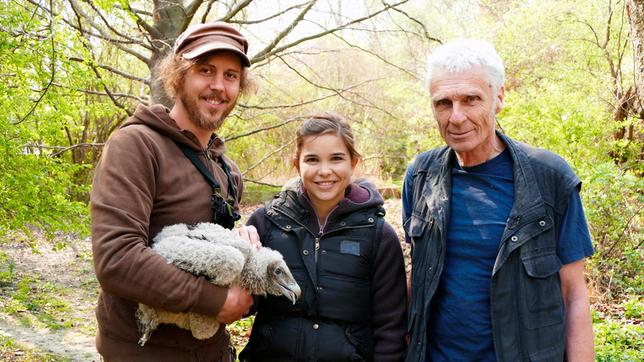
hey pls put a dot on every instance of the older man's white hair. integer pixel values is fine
(462, 55)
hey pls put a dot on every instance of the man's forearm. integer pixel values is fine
(579, 331)
(579, 325)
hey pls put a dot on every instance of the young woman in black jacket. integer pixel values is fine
(345, 257)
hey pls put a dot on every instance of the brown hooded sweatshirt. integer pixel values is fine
(142, 183)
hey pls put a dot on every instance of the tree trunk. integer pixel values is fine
(634, 104)
(170, 19)
(635, 9)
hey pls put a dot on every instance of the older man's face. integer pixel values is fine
(465, 107)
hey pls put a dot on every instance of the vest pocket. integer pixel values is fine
(417, 225)
(542, 290)
(416, 228)
(552, 353)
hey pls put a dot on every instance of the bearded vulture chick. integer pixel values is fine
(225, 259)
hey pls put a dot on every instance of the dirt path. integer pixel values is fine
(47, 305)
(65, 344)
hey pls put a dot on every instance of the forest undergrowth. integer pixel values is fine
(48, 293)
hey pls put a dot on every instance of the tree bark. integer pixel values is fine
(170, 19)
(635, 10)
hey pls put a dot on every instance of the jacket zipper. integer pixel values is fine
(319, 235)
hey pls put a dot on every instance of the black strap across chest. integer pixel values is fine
(205, 172)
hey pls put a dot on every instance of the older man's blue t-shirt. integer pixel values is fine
(482, 196)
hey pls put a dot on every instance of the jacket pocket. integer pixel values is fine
(542, 290)
(359, 339)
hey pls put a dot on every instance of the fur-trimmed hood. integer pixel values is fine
(360, 194)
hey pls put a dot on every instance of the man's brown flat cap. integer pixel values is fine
(200, 39)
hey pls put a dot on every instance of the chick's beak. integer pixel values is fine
(291, 291)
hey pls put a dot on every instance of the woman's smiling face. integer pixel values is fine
(325, 167)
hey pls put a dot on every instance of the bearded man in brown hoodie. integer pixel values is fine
(144, 181)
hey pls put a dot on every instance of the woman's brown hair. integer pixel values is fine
(325, 123)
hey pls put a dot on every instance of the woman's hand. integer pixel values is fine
(249, 233)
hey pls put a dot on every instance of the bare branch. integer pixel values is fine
(109, 93)
(81, 14)
(39, 6)
(376, 55)
(268, 50)
(191, 10)
(341, 95)
(94, 67)
(267, 156)
(422, 26)
(52, 62)
(207, 11)
(18, 33)
(414, 76)
(310, 101)
(142, 23)
(608, 24)
(114, 70)
(382, 157)
(263, 129)
(87, 33)
(621, 50)
(603, 47)
(236, 10)
(142, 100)
(261, 183)
(108, 23)
(637, 213)
(73, 147)
(63, 149)
(266, 53)
(251, 22)
(135, 10)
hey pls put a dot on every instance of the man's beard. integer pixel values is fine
(208, 122)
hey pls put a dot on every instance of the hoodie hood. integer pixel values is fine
(360, 194)
(157, 117)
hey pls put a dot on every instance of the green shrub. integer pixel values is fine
(618, 341)
(634, 309)
(7, 267)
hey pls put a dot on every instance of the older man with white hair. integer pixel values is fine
(497, 228)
